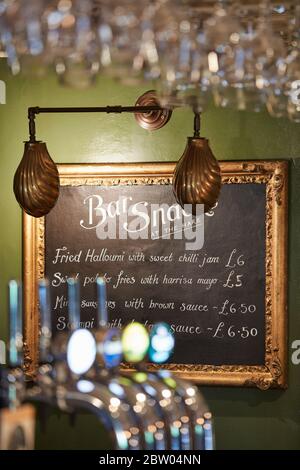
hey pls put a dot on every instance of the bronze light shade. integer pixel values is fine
(36, 181)
(197, 176)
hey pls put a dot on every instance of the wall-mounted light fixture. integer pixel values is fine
(197, 177)
(36, 181)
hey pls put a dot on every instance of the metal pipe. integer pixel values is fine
(197, 123)
(96, 109)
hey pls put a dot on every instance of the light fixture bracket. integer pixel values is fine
(197, 124)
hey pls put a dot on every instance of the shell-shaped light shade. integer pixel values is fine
(197, 176)
(36, 181)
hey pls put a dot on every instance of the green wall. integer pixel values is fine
(244, 418)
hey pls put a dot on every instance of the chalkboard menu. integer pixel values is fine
(211, 279)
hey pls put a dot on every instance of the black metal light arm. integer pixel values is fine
(96, 109)
(197, 124)
(148, 113)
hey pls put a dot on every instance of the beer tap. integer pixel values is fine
(45, 321)
(198, 416)
(151, 410)
(135, 341)
(64, 360)
(109, 356)
(17, 421)
(81, 354)
(44, 387)
(196, 429)
(14, 375)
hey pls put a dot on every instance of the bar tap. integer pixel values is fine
(109, 356)
(61, 383)
(15, 324)
(43, 390)
(199, 418)
(15, 376)
(56, 383)
(101, 302)
(135, 340)
(73, 303)
(120, 419)
(45, 320)
(17, 421)
(79, 369)
(144, 399)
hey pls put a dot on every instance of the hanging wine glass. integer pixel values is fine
(78, 63)
(60, 21)
(283, 93)
(120, 36)
(182, 58)
(270, 54)
(146, 62)
(277, 95)
(249, 84)
(78, 70)
(293, 86)
(7, 14)
(249, 59)
(226, 57)
(29, 31)
(292, 82)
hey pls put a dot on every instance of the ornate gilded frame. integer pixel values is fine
(274, 174)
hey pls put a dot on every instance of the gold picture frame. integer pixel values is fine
(272, 173)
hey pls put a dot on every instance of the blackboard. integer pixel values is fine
(225, 300)
(186, 288)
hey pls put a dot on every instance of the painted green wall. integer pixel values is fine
(245, 418)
